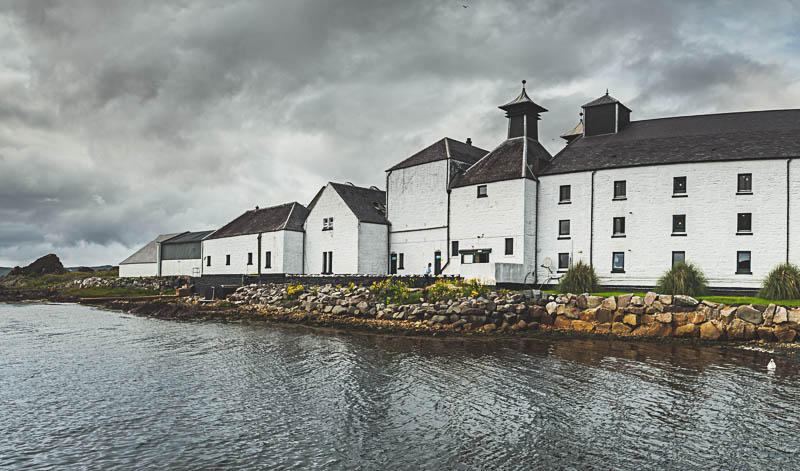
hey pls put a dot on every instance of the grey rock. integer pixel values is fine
(649, 298)
(439, 319)
(749, 314)
(594, 301)
(338, 310)
(781, 315)
(684, 301)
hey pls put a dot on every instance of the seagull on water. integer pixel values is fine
(771, 365)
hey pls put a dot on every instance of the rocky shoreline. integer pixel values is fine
(653, 317)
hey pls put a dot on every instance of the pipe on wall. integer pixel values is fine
(536, 240)
(788, 161)
(591, 221)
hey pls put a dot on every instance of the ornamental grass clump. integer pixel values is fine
(580, 278)
(782, 283)
(683, 278)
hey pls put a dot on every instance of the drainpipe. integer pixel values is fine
(258, 259)
(591, 222)
(158, 259)
(536, 240)
(788, 161)
(388, 230)
(303, 267)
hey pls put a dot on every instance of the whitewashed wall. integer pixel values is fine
(485, 223)
(239, 246)
(342, 240)
(188, 267)
(135, 270)
(373, 249)
(417, 209)
(711, 209)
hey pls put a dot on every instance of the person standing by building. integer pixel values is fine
(428, 271)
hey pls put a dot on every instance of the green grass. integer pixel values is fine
(46, 281)
(104, 292)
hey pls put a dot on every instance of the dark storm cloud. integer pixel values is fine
(120, 120)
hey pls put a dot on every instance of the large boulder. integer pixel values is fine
(781, 315)
(783, 333)
(687, 330)
(741, 330)
(749, 314)
(47, 265)
(609, 303)
(684, 301)
(619, 328)
(711, 330)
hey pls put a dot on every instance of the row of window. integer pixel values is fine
(267, 259)
(509, 248)
(743, 259)
(744, 185)
(744, 225)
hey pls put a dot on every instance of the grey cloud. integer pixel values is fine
(180, 115)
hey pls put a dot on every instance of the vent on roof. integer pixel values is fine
(380, 207)
(349, 183)
(605, 115)
(373, 187)
(469, 141)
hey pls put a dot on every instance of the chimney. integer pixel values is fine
(523, 116)
(469, 141)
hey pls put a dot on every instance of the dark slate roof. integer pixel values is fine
(286, 217)
(603, 100)
(443, 149)
(574, 132)
(503, 163)
(522, 99)
(368, 204)
(147, 254)
(701, 138)
(188, 237)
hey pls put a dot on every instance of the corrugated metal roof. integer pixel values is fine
(147, 254)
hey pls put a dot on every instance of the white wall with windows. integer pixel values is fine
(332, 247)
(238, 255)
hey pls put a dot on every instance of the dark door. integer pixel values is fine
(393, 265)
(437, 263)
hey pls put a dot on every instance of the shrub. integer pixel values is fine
(783, 282)
(683, 278)
(580, 278)
(474, 288)
(442, 291)
(390, 291)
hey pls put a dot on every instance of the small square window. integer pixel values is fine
(745, 184)
(482, 193)
(619, 190)
(227, 260)
(509, 246)
(327, 224)
(467, 258)
(564, 194)
(744, 223)
(454, 248)
(563, 228)
(678, 257)
(619, 227)
(679, 186)
(618, 262)
(679, 224)
(743, 263)
(563, 261)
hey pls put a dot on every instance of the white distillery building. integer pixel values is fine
(346, 231)
(260, 241)
(629, 197)
(177, 254)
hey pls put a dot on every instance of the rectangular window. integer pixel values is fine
(479, 256)
(564, 194)
(454, 248)
(208, 261)
(400, 262)
(563, 228)
(250, 258)
(618, 262)
(509, 246)
(679, 224)
(482, 193)
(482, 257)
(268, 260)
(745, 184)
(744, 223)
(327, 224)
(563, 261)
(678, 257)
(619, 227)
(467, 258)
(619, 190)
(743, 263)
(679, 186)
(227, 260)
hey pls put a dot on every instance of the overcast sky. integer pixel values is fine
(122, 120)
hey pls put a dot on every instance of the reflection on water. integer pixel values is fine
(87, 388)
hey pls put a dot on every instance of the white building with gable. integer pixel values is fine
(347, 231)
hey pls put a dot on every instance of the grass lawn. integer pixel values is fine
(104, 292)
(46, 281)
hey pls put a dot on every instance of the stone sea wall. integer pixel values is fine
(626, 315)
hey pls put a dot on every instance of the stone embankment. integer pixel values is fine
(149, 283)
(625, 316)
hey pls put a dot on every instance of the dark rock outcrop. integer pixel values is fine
(49, 264)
